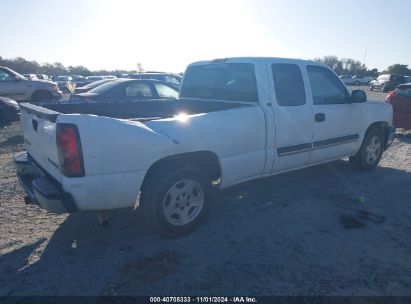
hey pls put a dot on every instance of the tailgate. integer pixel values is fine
(39, 132)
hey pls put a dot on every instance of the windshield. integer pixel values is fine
(224, 81)
(16, 74)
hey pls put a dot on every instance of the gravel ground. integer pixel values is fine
(300, 233)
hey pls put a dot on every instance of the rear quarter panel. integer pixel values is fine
(117, 153)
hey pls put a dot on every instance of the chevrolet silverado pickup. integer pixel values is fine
(236, 119)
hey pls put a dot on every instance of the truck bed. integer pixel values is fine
(137, 111)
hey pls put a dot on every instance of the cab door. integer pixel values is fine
(292, 114)
(337, 122)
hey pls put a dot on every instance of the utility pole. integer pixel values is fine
(139, 67)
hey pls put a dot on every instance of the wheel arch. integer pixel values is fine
(207, 161)
(381, 125)
(39, 91)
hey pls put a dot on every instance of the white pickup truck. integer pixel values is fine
(237, 119)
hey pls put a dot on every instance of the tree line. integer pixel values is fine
(24, 66)
(348, 66)
(343, 66)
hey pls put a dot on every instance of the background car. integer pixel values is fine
(64, 83)
(128, 90)
(43, 76)
(9, 110)
(78, 80)
(91, 86)
(400, 99)
(17, 87)
(386, 82)
(31, 76)
(346, 79)
(361, 79)
(171, 79)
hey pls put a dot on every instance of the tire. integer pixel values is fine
(370, 153)
(384, 89)
(39, 96)
(174, 202)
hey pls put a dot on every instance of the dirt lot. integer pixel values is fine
(301, 233)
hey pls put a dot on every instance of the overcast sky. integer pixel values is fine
(168, 35)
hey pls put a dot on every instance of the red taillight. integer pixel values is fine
(69, 150)
(391, 95)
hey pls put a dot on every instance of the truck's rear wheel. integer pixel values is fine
(175, 202)
(370, 153)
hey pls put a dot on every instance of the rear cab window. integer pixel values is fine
(221, 81)
(288, 84)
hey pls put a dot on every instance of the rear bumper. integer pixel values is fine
(41, 189)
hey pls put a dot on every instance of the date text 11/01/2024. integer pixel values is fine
(203, 300)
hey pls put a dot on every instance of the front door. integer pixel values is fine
(337, 123)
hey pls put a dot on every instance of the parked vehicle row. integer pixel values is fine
(387, 82)
(356, 79)
(236, 119)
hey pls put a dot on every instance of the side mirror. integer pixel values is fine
(17, 78)
(358, 96)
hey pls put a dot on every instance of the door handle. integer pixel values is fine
(319, 117)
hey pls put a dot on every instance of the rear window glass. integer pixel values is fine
(104, 87)
(404, 91)
(289, 85)
(221, 81)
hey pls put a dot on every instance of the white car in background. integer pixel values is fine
(356, 79)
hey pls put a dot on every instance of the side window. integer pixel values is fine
(289, 85)
(4, 76)
(138, 90)
(325, 86)
(164, 91)
(171, 79)
(406, 92)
